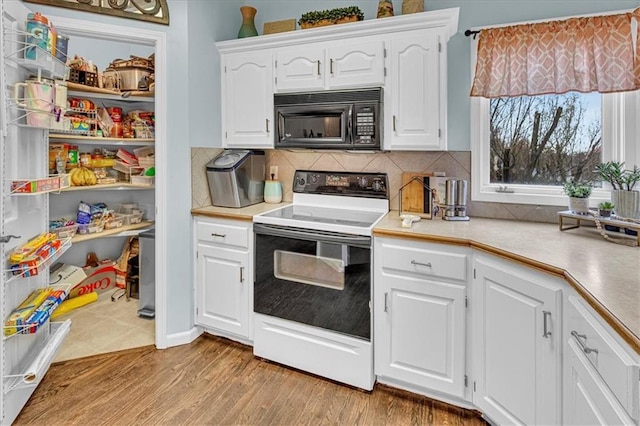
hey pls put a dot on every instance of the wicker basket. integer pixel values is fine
(84, 77)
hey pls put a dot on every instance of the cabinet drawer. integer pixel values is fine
(608, 357)
(223, 233)
(421, 259)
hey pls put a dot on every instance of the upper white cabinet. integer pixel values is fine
(340, 65)
(405, 55)
(415, 97)
(247, 100)
(517, 343)
(420, 315)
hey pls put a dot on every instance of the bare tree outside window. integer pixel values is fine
(545, 140)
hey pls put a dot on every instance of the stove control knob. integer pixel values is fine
(363, 182)
(300, 181)
(313, 179)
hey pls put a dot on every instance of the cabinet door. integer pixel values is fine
(300, 68)
(222, 289)
(356, 65)
(416, 92)
(517, 344)
(247, 111)
(420, 333)
(588, 401)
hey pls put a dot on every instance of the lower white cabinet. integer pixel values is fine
(517, 343)
(601, 376)
(223, 277)
(419, 315)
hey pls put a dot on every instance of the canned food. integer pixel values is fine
(62, 44)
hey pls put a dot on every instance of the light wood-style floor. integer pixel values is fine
(214, 381)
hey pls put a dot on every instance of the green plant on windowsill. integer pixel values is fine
(626, 199)
(578, 189)
(605, 208)
(578, 193)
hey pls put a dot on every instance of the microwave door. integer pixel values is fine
(313, 126)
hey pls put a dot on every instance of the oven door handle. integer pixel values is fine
(326, 237)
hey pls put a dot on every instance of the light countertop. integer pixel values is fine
(604, 273)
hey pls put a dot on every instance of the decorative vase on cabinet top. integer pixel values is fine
(248, 27)
(385, 9)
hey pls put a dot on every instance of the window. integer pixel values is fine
(524, 148)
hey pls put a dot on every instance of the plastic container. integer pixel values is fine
(38, 35)
(116, 222)
(65, 231)
(147, 162)
(133, 218)
(142, 180)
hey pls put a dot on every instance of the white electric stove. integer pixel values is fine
(313, 276)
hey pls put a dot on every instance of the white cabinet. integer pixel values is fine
(420, 315)
(415, 109)
(247, 100)
(601, 376)
(405, 55)
(340, 65)
(517, 343)
(224, 276)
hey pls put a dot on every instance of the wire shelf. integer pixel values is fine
(25, 271)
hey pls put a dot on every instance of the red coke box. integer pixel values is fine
(84, 280)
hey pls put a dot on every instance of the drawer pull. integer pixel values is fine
(331, 66)
(546, 315)
(242, 274)
(318, 67)
(583, 345)
(428, 265)
(394, 123)
(266, 122)
(386, 302)
(219, 235)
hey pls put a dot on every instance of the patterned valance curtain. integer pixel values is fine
(578, 54)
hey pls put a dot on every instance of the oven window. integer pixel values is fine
(313, 270)
(316, 283)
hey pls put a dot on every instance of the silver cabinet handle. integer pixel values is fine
(331, 66)
(428, 265)
(219, 235)
(583, 344)
(242, 274)
(318, 63)
(546, 315)
(266, 122)
(386, 302)
(394, 123)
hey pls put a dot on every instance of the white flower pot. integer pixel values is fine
(579, 205)
(627, 203)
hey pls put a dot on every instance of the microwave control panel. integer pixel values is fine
(366, 125)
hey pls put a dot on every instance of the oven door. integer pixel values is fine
(314, 126)
(318, 278)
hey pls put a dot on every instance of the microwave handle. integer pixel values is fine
(350, 124)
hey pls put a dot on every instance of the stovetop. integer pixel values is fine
(333, 201)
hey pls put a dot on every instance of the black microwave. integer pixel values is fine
(346, 119)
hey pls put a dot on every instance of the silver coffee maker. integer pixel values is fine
(455, 200)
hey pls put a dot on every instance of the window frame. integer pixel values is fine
(620, 142)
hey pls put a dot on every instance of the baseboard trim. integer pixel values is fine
(183, 338)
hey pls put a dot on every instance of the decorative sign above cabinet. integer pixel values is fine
(144, 10)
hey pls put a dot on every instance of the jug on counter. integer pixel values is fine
(272, 191)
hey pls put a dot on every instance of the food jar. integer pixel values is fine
(115, 113)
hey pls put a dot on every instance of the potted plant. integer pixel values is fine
(578, 193)
(339, 15)
(605, 208)
(626, 199)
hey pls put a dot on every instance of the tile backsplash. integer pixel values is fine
(452, 163)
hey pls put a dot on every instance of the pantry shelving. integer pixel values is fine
(122, 231)
(14, 274)
(94, 140)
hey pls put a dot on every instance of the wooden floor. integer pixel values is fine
(214, 381)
